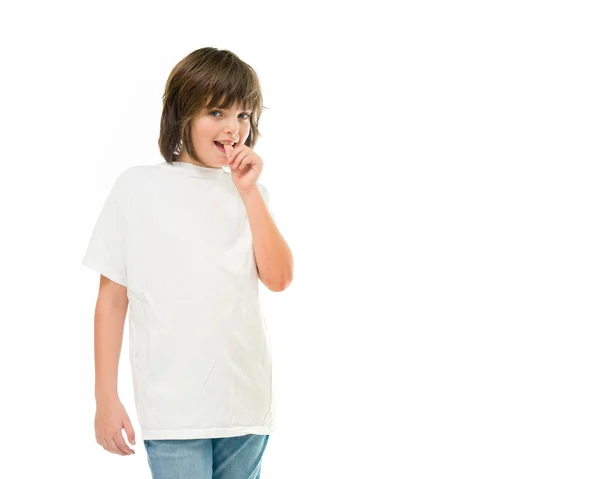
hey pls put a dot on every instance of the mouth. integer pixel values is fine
(221, 147)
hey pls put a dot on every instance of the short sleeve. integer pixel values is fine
(107, 247)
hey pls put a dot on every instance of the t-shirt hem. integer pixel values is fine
(149, 434)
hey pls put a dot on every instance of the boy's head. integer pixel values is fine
(210, 95)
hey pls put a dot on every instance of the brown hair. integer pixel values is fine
(199, 81)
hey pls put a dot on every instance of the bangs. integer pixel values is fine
(230, 86)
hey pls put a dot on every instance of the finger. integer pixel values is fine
(237, 152)
(228, 151)
(246, 162)
(239, 158)
(104, 444)
(114, 447)
(109, 445)
(121, 444)
(129, 430)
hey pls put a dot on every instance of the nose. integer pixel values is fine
(231, 128)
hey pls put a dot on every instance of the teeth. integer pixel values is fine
(223, 144)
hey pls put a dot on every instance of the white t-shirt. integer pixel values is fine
(178, 237)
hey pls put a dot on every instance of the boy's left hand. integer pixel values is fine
(246, 167)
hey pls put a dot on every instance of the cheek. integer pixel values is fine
(246, 131)
(205, 132)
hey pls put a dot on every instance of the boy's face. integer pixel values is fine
(210, 125)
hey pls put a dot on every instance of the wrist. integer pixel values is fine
(248, 193)
(106, 396)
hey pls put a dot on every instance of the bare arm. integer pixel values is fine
(274, 260)
(109, 320)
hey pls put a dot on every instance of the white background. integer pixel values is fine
(434, 169)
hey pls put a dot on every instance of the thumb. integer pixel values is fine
(129, 430)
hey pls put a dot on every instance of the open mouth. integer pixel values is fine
(221, 147)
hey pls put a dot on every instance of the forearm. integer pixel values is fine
(273, 256)
(109, 322)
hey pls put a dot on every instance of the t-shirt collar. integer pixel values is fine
(198, 171)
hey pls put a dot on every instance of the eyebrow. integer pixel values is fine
(220, 108)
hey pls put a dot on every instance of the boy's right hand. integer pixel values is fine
(111, 417)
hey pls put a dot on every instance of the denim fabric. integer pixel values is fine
(236, 457)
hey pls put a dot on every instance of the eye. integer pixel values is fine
(248, 115)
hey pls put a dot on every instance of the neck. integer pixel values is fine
(185, 158)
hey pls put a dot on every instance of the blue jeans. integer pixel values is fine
(236, 457)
